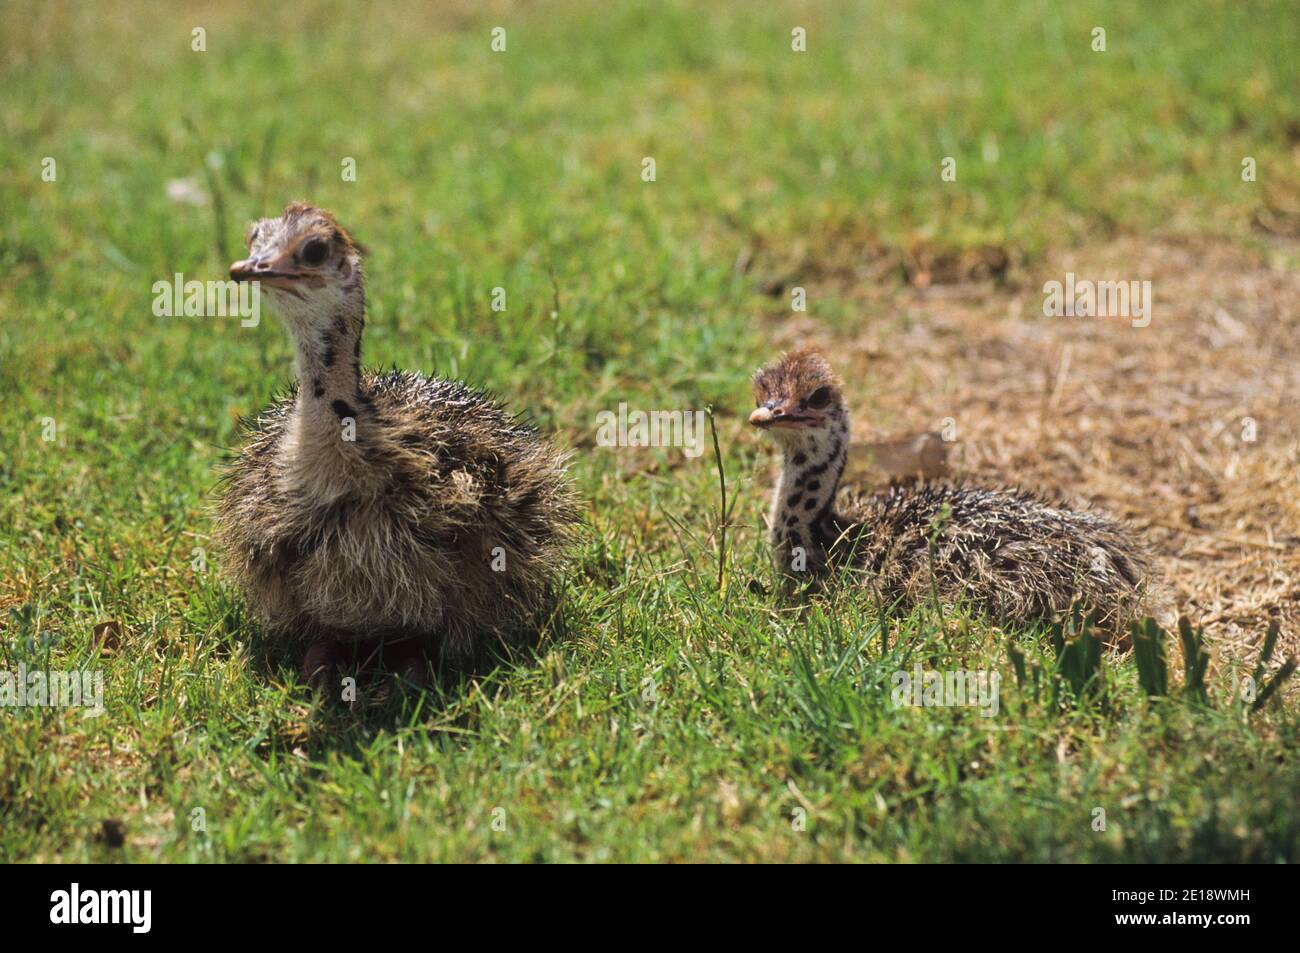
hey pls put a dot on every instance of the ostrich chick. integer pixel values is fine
(1010, 556)
(383, 507)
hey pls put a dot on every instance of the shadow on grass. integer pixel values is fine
(392, 684)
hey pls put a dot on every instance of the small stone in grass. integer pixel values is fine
(106, 636)
(112, 832)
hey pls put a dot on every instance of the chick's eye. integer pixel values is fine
(314, 252)
(819, 398)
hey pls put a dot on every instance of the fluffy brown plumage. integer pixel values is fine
(365, 506)
(1004, 553)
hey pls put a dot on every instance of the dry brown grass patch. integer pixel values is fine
(1147, 423)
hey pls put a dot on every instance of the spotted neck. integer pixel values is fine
(329, 428)
(803, 520)
(329, 365)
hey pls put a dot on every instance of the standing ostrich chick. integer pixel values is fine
(1005, 553)
(388, 506)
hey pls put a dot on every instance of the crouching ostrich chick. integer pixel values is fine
(1004, 553)
(381, 507)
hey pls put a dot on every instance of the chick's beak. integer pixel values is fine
(762, 417)
(244, 270)
(276, 272)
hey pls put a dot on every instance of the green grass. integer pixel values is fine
(662, 719)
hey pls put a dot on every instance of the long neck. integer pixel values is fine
(329, 363)
(332, 422)
(803, 519)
